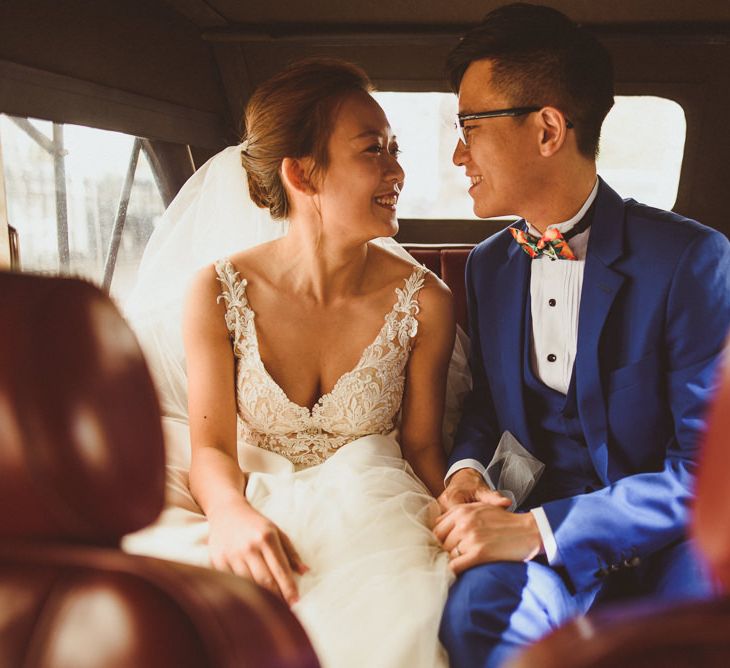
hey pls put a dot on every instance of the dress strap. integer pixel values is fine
(408, 295)
(403, 323)
(233, 287)
(233, 293)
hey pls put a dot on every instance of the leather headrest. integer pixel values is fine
(81, 449)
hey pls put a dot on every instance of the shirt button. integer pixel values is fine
(551, 357)
(552, 302)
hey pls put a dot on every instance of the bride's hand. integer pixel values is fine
(468, 486)
(248, 544)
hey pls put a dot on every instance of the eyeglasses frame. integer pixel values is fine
(512, 112)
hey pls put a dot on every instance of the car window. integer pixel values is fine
(65, 192)
(640, 156)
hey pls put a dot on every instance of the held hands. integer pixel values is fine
(246, 543)
(476, 528)
(479, 533)
(468, 486)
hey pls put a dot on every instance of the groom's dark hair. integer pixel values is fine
(540, 57)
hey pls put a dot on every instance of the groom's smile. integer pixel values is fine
(475, 181)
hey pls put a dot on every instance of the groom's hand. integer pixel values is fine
(480, 533)
(468, 486)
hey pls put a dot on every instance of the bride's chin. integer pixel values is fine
(392, 227)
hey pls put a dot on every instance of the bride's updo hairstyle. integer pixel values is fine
(292, 116)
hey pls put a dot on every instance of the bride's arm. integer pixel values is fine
(241, 539)
(423, 401)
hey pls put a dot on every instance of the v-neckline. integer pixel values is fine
(280, 389)
(317, 404)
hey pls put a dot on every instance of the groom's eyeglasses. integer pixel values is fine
(461, 131)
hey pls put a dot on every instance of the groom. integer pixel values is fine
(596, 326)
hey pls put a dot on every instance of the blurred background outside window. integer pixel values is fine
(68, 181)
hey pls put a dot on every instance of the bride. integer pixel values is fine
(316, 372)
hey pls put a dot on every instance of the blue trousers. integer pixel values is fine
(494, 609)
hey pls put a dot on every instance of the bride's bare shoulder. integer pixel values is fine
(395, 269)
(253, 262)
(203, 292)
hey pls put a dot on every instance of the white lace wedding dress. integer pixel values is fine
(333, 479)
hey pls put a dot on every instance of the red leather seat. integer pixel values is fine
(652, 636)
(81, 464)
(428, 257)
(453, 268)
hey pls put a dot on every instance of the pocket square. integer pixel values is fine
(513, 471)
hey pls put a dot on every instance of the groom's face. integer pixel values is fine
(499, 158)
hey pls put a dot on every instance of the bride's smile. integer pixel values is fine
(388, 200)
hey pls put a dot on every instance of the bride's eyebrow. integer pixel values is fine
(368, 133)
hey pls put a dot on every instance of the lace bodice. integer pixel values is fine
(365, 400)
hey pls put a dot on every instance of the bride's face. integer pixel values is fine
(359, 191)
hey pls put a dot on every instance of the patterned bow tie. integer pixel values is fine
(553, 243)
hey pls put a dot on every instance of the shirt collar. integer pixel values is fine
(568, 224)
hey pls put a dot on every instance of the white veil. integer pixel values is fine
(212, 217)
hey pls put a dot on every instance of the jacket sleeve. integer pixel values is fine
(616, 527)
(477, 434)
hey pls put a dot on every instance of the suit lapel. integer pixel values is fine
(601, 284)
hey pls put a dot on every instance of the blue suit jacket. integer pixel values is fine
(654, 313)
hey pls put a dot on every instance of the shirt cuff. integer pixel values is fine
(547, 537)
(467, 464)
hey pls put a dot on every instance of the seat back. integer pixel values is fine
(645, 636)
(81, 452)
(81, 464)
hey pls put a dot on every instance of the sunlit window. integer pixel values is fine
(66, 193)
(642, 146)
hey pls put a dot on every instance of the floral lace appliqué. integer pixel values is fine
(365, 400)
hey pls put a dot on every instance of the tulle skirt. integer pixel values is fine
(361, 521)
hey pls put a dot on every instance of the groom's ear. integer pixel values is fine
(297, 174)
(553, 130)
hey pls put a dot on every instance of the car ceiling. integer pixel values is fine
(210, 14)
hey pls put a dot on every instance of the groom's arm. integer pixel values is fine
(618, 526)
(476, 436)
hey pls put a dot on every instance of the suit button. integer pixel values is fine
(632, 563)
(551, 357)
